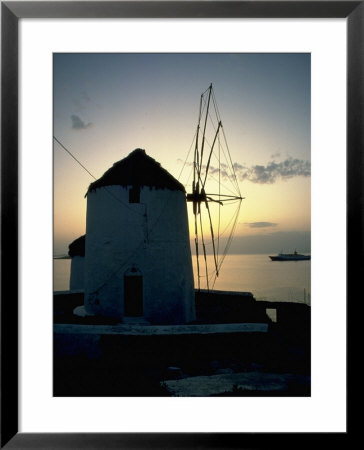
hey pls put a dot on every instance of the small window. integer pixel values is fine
(134, 194)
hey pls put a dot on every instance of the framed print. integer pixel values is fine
(91, 75)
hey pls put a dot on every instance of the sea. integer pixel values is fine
(267, 280)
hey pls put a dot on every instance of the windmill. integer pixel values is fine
(137, 209)
(215, 193)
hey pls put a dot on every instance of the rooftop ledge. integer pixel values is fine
(161, 330)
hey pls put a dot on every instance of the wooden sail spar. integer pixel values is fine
(212, 163)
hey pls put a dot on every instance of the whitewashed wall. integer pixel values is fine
(153, 237)
(77, 276)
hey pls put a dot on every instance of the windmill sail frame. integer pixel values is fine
(201, 195)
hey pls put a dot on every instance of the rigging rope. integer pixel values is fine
(73, 157)
(188, 154)
(230, 164)
(104, 187)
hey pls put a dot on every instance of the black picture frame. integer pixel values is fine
(11, 12)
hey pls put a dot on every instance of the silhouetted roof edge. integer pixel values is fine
(137, 169)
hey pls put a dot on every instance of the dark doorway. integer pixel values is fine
(133, 294)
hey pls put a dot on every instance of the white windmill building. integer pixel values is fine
(138, 265)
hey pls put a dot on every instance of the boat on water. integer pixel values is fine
(290, 257)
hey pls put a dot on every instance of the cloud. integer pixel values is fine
(276, 155)
(260, 224)
(78, 123)
(268, 174)
(273, 171)
(83, 102)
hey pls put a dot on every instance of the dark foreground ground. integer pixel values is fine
(131, 366)
(144, 365)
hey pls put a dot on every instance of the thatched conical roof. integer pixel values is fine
(77, 247)
(137, 169)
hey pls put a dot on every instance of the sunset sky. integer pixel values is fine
(107, 105)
